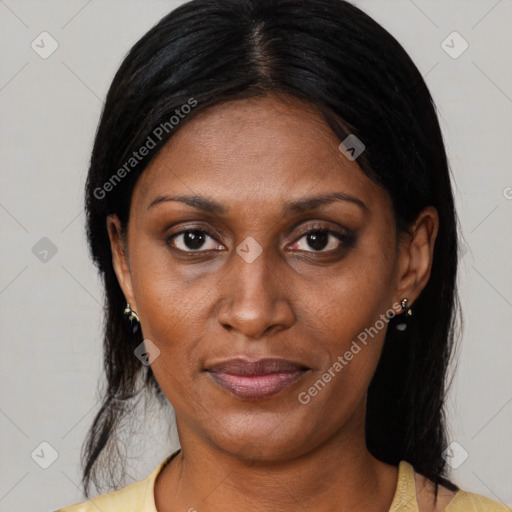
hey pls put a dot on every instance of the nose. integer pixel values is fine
(255, 298)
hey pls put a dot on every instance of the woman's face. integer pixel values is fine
(254, 278)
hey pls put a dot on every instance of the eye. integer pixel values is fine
(191, 240)
(320, 238)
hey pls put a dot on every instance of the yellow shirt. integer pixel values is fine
(139, 497)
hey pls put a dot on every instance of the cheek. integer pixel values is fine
(162, 288)
(172, 314)
(359, 291)
(350, 341)
(349, 319)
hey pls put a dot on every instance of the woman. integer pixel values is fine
(269, 204)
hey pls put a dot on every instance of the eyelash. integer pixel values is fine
(346, 239)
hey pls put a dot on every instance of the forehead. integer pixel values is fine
(261, 148)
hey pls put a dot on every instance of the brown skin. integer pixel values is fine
(273, 454)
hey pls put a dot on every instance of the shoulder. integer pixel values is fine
(128, 499)
(136, 497)
(453, 501)
(132, 498)
(465, 501)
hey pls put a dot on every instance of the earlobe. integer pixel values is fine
(120, 258)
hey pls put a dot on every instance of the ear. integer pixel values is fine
(416, 255)
(120, 261)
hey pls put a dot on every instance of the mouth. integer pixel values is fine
(255, 380)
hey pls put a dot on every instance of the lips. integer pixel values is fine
(240, 366)
(253, 380)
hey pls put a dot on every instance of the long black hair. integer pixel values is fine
(361, 80)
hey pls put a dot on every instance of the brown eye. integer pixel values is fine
(319, 239)
(191, 240)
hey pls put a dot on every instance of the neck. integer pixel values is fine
(339, 474)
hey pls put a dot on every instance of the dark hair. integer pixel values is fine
(360, 79)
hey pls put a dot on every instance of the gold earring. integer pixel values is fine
(402, 326)
(130, 313)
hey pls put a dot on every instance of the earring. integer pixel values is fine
(402, 326)
(128, 312)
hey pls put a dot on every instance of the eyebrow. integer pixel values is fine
(291, 207)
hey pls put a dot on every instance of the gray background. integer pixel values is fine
(50, 304)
